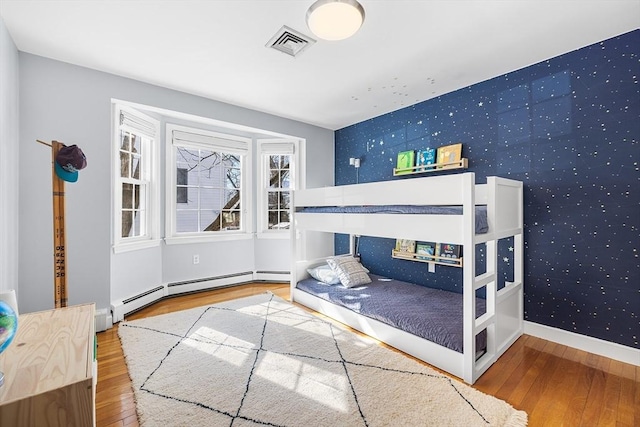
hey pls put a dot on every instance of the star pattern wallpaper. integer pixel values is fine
(569, 128)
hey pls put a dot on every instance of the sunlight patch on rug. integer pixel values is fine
(262, 361)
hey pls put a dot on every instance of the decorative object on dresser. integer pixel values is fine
(8, 322)
(262, 361)
(449, 156)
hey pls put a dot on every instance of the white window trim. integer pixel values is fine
(297, 182)
(246, 219)
(152, 237)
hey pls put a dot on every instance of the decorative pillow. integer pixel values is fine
(325, 274)
(357, 259)
(349, 270)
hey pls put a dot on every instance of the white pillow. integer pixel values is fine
(349, 270)
(325, 274)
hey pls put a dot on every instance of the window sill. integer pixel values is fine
(207, 239)
(134, 246)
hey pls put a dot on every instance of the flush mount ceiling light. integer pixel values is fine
(335, 19)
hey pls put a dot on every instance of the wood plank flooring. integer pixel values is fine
(555, 384)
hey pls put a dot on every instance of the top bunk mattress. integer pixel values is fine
(482, 226)
(429, 313)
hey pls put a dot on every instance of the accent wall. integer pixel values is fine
(569, 129)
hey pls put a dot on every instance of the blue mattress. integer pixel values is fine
(481, 211)
(429, 313)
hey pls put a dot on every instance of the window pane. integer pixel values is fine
(127, 223)
(231, 220)
(209, 199)
(284, 219)
(285, 197)
(187, 221)
(137, 196)
(274, 179)
(135, 144)
(125, 163)
(273, 219)
(136, 224)
(233, 161)
(285, 161)
(273, 200)
(284, 179)
(232, 178)
(127, 196)
(135, 167)
(125, 141)
(232, 199)
(207, 218)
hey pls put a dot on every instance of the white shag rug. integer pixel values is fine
(260, 361)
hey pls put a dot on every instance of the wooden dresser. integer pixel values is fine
(50, 370)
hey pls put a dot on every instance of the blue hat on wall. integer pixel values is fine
(69, 161)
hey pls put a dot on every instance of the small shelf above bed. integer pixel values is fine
(435, 167)
(451, 262)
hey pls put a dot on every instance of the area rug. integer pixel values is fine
(261, 361)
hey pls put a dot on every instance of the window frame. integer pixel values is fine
(265, 149)
(203, 136)
(150, 164)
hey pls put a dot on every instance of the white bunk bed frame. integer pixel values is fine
(504, 317)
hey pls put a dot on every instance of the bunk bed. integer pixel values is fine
(489, 324)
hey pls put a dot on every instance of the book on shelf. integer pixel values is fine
(405, 162)
(425, 250)
(449, 154)
(448, 253)
(405, 247)
(425, 157)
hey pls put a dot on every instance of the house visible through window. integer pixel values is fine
(208, 189)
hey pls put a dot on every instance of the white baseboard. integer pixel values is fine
(104, 320)
(582, 342)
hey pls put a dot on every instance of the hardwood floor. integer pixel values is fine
(555, 384)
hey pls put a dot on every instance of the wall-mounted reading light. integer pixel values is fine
(355, 162)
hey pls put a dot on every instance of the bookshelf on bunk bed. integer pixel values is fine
(503, 318)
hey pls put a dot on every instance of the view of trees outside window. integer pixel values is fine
(208, 187)
(134, 189)
(279, 191)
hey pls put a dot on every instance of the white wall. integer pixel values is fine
(9, 124)
(71, 104)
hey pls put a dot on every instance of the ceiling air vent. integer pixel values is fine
(290, 41)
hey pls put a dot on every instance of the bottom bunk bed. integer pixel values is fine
(423, 322)
(428, 313)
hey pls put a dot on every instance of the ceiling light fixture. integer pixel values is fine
(335, 19)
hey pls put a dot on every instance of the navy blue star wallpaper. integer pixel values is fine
(569, 128)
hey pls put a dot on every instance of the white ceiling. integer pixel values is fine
(406, 52)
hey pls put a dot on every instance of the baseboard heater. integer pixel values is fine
(120, 309)
(273, 276)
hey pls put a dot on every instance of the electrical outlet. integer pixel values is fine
(196, 259)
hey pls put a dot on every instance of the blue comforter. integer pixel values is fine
(481, 211)
(429, 313)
